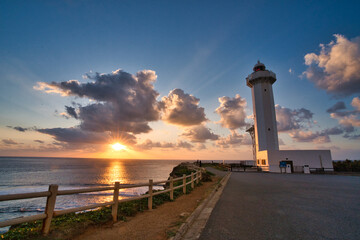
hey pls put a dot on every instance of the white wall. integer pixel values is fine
(300, 158)
(262, 155)
(264, 116)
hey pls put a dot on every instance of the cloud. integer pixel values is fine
(199, 134)
(79, 136)
(122, 104)
(349, 120)
(336, 68)
(39, 141)
(9, 142)
(337, 106)
(148, 144)
(182, 109)
(297, 121)
(288, 119)
(122, 101)
(21, 129)
(51, 88)
(71, 111)
(352, 136)
(315, 137)
(75, 135)
(102, 117)
(309, 136)
(356, 103)
(332, 131)
(232, 112)
(200, 146)
(234, 139)
(186, 145)
(51, 148)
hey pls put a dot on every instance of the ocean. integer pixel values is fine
(30, 174)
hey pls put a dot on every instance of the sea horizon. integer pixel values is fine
(160, 159)
(152, 159)
(33, 174)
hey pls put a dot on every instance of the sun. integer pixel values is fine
(118, 147)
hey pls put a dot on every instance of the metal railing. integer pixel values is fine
(53, 192)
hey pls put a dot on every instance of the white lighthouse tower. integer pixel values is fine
(260, 82)
(264, 133)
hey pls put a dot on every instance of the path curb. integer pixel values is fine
(196, 222)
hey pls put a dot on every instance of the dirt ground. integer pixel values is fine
(160, 223)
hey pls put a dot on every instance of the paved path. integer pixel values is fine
(217, 172)
(195, 224)
(286, 206)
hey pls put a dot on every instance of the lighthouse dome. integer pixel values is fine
(260, 74)
(259, 67)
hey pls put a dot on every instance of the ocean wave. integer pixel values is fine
(73, 174)
(21, 209)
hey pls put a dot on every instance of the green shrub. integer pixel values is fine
(206, 176)
(347, 166)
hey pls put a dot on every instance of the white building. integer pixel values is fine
(264, 132)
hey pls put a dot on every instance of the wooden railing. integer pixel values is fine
(53, 192)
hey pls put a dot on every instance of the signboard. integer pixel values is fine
(282, 164)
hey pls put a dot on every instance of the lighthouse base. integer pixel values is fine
(286, 161)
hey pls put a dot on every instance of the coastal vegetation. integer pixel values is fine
(69, 225)
(218, 166)
(188, 168)
(347, 166)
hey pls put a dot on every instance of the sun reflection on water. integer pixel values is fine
(115, 172)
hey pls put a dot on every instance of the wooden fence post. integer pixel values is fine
(184, 183)
(150, 199)
(115, 206)
(49, 209)
(197, 177)
(171, 188)
(192, 180)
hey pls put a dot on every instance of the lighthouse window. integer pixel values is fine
(268, 129)
(263, 162)
(265, 89)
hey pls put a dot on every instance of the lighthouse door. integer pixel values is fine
(288, 168)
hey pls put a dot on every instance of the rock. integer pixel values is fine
(184, 214)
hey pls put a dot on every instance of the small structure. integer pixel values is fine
(264, 133)
(251, 131)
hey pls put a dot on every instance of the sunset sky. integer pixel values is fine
(166, 79)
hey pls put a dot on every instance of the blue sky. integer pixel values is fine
(205, 48)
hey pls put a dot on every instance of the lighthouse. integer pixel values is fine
(260, 82)
(267, 155)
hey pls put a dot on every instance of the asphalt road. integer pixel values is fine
(286, 206)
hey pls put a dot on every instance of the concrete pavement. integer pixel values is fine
(286, 206)
(195, 224)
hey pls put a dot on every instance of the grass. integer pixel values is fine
(179, 170)
(170, 233)
(72, 224)
(218, 166)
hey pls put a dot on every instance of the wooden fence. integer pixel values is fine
(53, 192)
